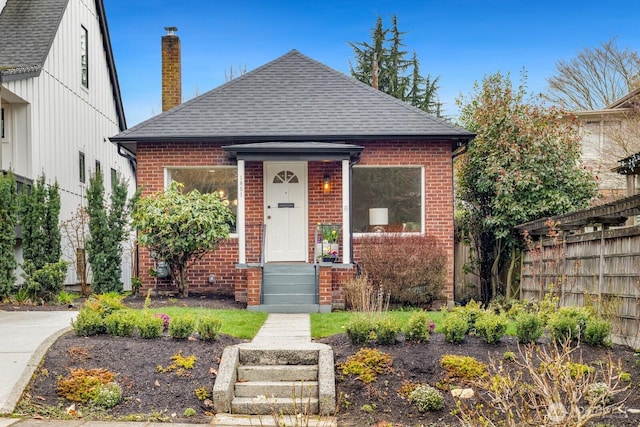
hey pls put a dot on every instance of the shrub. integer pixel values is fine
(386, 330)
(454, 327)
(366, 364)
(568, 323)
(426, 398)
(105, 304)
(599, 394)
(88, 322)
(597, 332)
(44, 284)
(83, 385)
(463, 367)
(189, 412)
(528, 327)
(411, 269)
(108, 395)
(471, 312)
(419, 327)
(491, 327)
(120, 323)
(209, 327)
(181, 327)
(362, 296)
(360, 329)
(150, 326)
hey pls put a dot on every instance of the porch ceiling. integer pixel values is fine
(294, 151)
(610, 214)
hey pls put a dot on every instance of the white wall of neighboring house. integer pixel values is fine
(51, 118)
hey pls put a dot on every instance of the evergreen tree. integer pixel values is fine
(39, 214)
(382, 64)
(107, 231)
(8, 222)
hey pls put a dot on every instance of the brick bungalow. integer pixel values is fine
(293, 144)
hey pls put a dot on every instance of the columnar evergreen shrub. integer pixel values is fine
(8, 222)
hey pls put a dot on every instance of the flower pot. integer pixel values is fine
(329, 259)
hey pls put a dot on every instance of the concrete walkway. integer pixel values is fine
(25, 337)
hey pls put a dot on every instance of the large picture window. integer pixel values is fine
(224, 180)
(387, 199)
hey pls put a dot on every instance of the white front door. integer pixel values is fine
(285, 190)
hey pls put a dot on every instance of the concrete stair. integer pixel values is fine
(289, 288)
(284, 387)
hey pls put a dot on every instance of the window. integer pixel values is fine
(1, 123)
(114, 177)
(387, 199)
(81, 167)
(98, 167)
(84, 57)
(224, 180)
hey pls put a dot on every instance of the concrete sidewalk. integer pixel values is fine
(25, 337)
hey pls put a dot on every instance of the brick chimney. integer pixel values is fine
(171, 70)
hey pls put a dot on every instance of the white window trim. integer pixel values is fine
(423, 221)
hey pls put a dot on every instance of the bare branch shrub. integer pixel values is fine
(361, 295)
(410, 269)
(551, 386)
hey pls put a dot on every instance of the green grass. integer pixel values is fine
(237, 323)
(327, 324)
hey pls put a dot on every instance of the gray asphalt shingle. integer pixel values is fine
(292, 98)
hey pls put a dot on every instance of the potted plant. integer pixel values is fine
(330, 245)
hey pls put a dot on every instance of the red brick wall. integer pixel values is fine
(434, 156)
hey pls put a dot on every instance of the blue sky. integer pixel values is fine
(459, 40)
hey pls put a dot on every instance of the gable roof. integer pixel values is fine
(293, 98)
(27, 30)
(629, 100)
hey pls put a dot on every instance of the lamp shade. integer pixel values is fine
(379, 216)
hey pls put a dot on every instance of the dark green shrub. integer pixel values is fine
(411, 269)
(209, 327)
(491, 327)
(360, 329)
(454, 327)
(88, 322)
(121, 323)
(597, 332)
(563, 327)
(471, 311)
(386, 330)
(528, 327)
(46, 283)
(181, 327)
(426, 398)
(419, 327)
(150, 326)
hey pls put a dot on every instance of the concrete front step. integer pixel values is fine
(254, 356)
(277, 389)
(278, 373)
(296, 297)
(238, 420)
(262, 405)
(290, 308)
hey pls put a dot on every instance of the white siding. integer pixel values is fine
(63, 118)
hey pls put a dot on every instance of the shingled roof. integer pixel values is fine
(27, 30)
(293, 98)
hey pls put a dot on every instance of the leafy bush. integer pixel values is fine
(150, 326)
(597, 332)
(360, 329)
(108, 395)
(454, 327)
(411, 269)
(426, 398)
(568, 323)
(121, 323)
(491, 327)
(471, 311)
(46, 283)
(528, 327)
(419, 327)
(181, 327)
(209, 327)
(105, 304)
(88, 322)
(386, 330)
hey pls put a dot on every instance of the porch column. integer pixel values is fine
(346, 215)
(240, 228)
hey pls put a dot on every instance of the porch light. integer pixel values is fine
(326, 184)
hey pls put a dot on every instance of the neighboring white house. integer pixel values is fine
(607, 136)
(60, 101)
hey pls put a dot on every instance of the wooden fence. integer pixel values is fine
(467, 285)
(599, 269)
